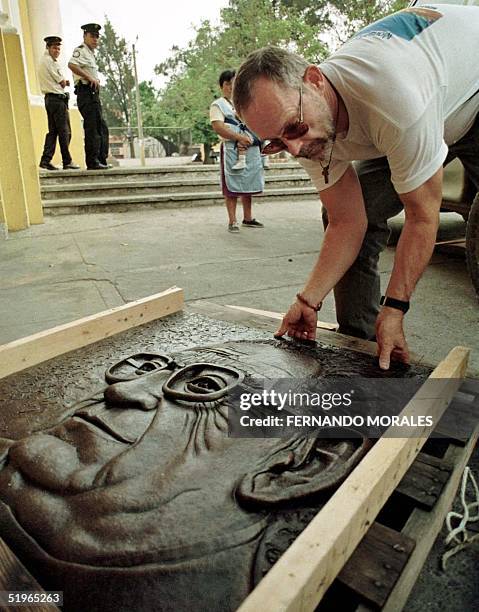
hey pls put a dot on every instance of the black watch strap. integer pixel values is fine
(393, 303)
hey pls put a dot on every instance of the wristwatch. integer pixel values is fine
(394, 303)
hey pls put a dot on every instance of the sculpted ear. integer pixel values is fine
(302, 469)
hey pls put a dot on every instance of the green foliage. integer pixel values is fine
(342, 18)
(193, 72)
(115, 62)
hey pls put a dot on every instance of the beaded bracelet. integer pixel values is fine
(306, 302)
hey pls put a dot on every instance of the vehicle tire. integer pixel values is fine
(472, 244)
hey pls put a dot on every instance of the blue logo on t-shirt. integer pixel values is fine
(406, 24)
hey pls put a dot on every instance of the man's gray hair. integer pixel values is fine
(278, 65)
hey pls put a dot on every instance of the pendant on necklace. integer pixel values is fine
(325, 174)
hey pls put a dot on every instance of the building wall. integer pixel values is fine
(19, 184)
(23, 120)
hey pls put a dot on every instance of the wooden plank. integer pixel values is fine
(424, 483)
(376, 564)
(14, 577)
(455, 247)
(29, 351)
(278, 316)
(455, 241)
(424, 526)
(301, 576)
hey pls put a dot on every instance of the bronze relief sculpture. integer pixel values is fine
(138, 499)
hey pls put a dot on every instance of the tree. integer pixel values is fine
(115, 62)
(193, 72)
(340, 19)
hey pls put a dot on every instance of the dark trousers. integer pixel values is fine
(357, 293)
(96, 130)
(58, 127)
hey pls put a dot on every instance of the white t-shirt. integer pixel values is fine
(50, 75)
(408, 82)
(216, 114)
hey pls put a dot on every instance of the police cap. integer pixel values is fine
(92, 28)
(53, 40)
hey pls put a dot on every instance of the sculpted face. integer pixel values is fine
(144, 475)
(274, 108)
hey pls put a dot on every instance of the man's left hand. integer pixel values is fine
(390, 337)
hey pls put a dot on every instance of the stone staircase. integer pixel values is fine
(118, 189)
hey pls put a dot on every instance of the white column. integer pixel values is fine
(45, 20)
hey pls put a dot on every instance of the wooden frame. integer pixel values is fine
(299, 579)
(34, 349)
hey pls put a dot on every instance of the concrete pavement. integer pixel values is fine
(77, 265)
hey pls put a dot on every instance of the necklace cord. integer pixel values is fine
(325, 168)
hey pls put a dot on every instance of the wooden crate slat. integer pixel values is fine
(278, 316)
(34, 349)
(438, 462)
(376, 564)
(424, 483)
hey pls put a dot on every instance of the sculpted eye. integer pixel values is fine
(137, 365)
(201, 382)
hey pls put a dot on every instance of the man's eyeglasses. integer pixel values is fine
(290, 132)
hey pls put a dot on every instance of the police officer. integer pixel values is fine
(52, 84)
(87, 88)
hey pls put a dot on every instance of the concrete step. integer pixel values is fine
(158, 186)
(165, 200)
(190, 171)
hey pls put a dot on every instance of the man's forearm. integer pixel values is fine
(418, 236)
(413, 253)
(339, 250)
(79, 72)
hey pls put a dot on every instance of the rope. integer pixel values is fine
(459, 535)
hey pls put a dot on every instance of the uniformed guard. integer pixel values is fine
(87, 88)
(52, 84)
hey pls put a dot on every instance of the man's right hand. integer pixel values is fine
(299, 322)
(94, 84)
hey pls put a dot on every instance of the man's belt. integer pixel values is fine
(55, 95)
